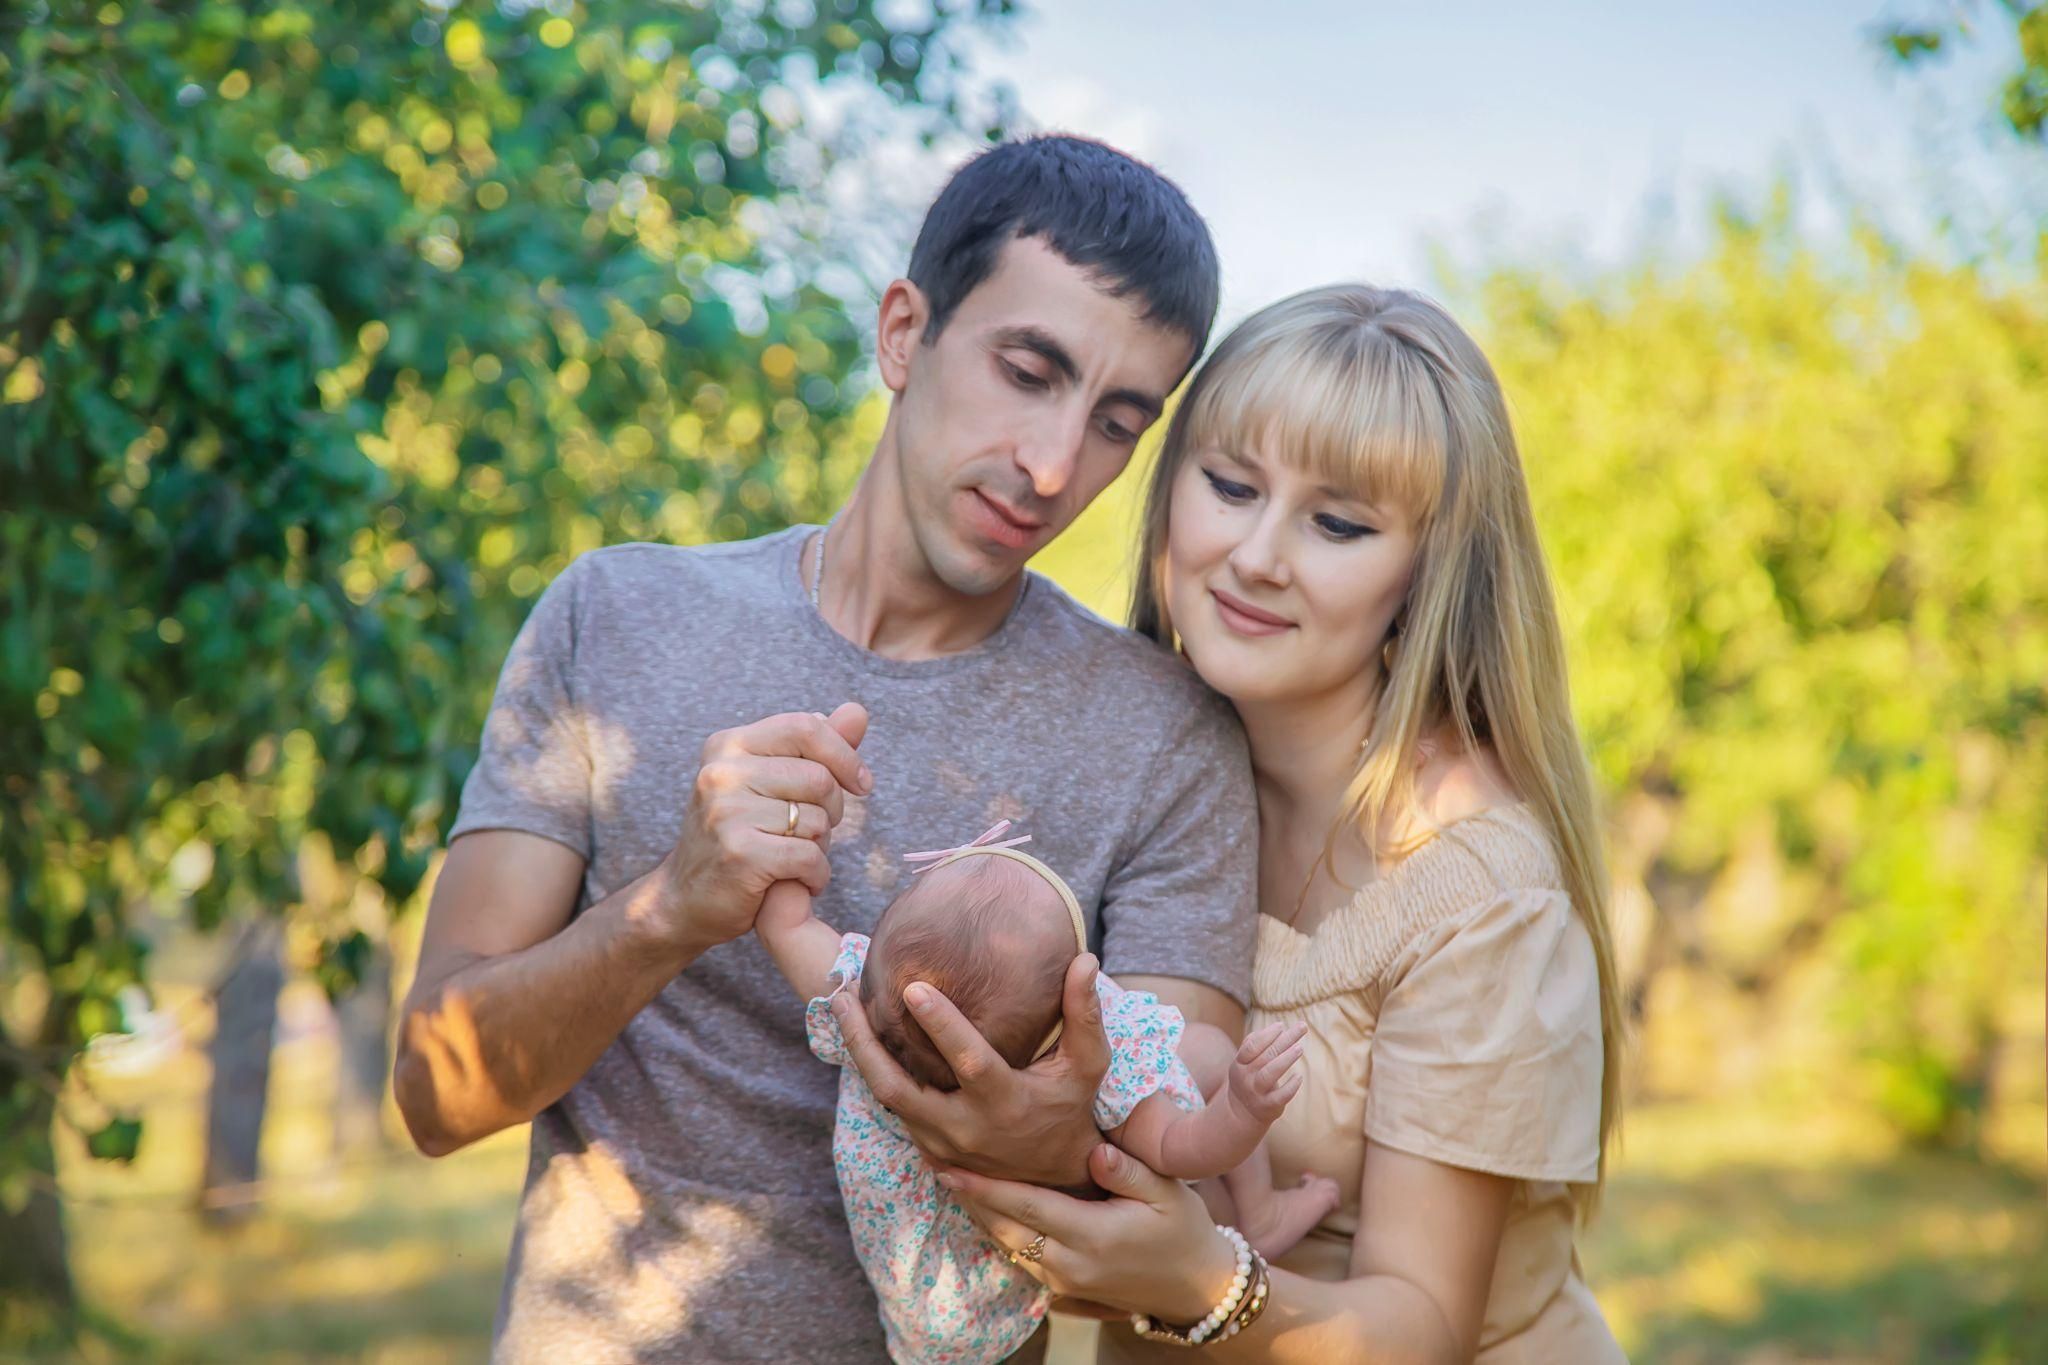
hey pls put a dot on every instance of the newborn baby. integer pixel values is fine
(990, 935)
(995, 931)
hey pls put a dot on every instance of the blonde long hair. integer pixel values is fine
(1381, 391)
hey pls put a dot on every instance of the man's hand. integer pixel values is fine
(1036, 1125)
(736, 840)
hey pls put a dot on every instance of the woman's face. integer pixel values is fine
(1281, 589)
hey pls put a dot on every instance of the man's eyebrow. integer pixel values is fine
(1040, 342)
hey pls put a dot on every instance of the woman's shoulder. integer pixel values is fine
(1455, 783)
(1494, 861)
(1469, 815)
(1496, 850)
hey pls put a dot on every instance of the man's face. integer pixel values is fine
(1026, 406)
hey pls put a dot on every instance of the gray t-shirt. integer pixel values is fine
(680, 1202)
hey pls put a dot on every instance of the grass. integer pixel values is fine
(1741, 1235)
(391, 1258)
(1732, 1231)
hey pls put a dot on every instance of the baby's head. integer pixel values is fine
(993, 936)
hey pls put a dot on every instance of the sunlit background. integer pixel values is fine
(327, 339)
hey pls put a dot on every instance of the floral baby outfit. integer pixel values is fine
(948, 1294)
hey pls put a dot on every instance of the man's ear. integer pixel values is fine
(899, 331)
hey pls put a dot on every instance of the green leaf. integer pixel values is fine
(117, 1141)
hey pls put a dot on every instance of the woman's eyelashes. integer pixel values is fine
(1339, 529)
(1331, 525)
(1227, 490)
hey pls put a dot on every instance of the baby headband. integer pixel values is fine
(986, 845)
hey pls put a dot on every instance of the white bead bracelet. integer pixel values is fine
(1233, 1299)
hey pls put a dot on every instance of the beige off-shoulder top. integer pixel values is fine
(1453, 1009)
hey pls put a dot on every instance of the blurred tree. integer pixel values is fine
(362, 1019)
(2023, 95)
(328, 333)
(1811, 658)
(244, 1032)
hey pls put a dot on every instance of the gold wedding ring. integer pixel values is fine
(791, 830)
(1031, 1253)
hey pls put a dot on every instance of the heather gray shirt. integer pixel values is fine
(680, 1202)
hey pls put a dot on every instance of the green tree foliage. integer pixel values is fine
(2023, 94)
(1798, 508)
(328, 333)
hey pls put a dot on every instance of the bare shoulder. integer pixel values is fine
(1455, 784)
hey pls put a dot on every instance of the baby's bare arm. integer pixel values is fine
(1208, 1142)
(804, 947)
(1207, 1052)
(1190, 1146)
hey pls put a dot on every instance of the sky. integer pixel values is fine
(1341, 140)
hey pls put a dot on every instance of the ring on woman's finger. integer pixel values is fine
(1033, 1252)
(789, 831)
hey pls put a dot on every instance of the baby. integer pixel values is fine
(994, 930)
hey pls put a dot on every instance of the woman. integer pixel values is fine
(1339, 539)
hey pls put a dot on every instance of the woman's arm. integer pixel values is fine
(1421, 1267)
(1434, 1230)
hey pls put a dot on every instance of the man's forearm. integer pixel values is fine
(499, 1039)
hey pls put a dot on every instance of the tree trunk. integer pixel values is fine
(35, 1267)
(246, 1013)
(363, 1017)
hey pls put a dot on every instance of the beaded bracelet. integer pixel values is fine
(1255, 1297)
(1224, 1312)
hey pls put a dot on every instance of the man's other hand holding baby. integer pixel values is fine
(1032, 1124)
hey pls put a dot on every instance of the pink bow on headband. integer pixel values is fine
(936, 856)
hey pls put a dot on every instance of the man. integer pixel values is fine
(586, 963)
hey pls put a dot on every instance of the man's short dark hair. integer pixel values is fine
(1097, 208)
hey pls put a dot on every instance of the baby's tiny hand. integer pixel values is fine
(784, 909)
(1263, 1075)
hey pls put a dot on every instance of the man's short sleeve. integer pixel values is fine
(533, 769)
(1183, 902)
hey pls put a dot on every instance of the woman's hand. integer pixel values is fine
(1033, 1124)
(1150, 1248)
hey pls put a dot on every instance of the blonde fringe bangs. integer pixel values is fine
(1353, 409)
